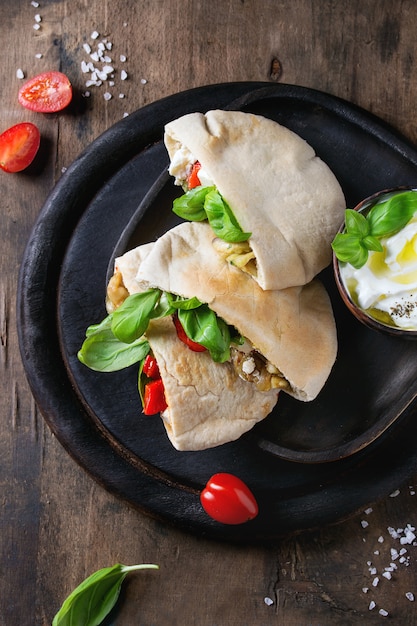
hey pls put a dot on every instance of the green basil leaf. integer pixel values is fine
(356, 223)
(131, 319)
(190, 206)
(97, 328)
(387, 218)
(204, 327)
(178, 302)
(103, 352)
(372, 243)
(94, 598)
(222, 220)
(360, 257)
(163, 307)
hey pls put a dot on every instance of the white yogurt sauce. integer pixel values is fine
(388, 281)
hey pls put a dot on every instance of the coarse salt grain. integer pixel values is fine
(268, 601)
(372, 605)
(38, 18)
(20, 73)
(387, 575)
(38, 55)
(122, 58)
(87, 48)
(107, 96)
(365, 589)
(368, 511)
(123, 75)
(36, 26)
(394, 494)
(375, 581)
(383, 612)
(364, 523)
(380, 539)
(34, 4)
(121, 95)
(409, 596)
(94, 34)
(143, 81)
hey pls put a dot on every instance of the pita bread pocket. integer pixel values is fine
(293, 329)
(207, 403)
(265, 182)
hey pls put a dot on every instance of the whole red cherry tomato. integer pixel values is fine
(228, 500)
(18, 146)
(193, 345)
(46, 93)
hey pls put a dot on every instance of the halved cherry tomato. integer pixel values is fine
(193, 345)
(46, 93)
(193, 179)
(228, 500)
(154, 397)
(18, 146)
(150, 367)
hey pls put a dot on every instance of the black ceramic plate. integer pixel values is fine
(361, 427)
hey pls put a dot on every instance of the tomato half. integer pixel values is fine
(18, 146)
(227, 499)
(46, 93)
(193, 345)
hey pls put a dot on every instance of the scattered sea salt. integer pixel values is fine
(38, 56)
(38, 18)
(95, 35)
(107, 96)
(394, 494)
(375, 581)
(143, 81)
(383, 612)
(410, 596)
(268, 601)
(36, 26)
(372, 605)
(122, 58)
(364, 523)
(20, 73)
(34, 4)
(123, 75)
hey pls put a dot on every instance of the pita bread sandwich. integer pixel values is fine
(204, 403)
(272, 203)
(286, 338)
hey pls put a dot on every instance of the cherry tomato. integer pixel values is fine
(193, 345)
(46, 93)
(18, 146)
(228, 500)
(154, 397)
(150, 367)
(193, 179)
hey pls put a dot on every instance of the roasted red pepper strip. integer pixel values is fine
(193, 179)
(150, 367)
(193, 345)
(154, 397)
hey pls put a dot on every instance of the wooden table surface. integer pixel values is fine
(57, 525)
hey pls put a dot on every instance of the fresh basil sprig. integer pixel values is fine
(363, 232)
(203, 203)
(119, 340)
(94, 598)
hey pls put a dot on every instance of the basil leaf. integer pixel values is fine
(190, 206)
(178, 302)
(356, 223)
(222, 220)
(387, 218)
(103, 352)
(372, 243)
(204, 327)
(131, 319)
(94, 598)
(97, 328)
(163, 307)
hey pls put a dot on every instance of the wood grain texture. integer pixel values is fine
(57, 525)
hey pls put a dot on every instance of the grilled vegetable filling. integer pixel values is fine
(239, 254)
(254, 368)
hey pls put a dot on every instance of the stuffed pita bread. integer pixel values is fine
(266, 182)
(291, 331)
(208, 403)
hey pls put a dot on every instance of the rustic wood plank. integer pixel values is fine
(57, 525)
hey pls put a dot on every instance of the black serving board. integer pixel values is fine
(308, 464)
